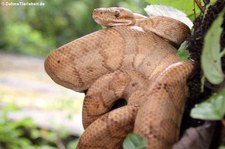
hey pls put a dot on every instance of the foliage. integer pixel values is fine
(184, 5)
(210, 58)
(38, 30)
(222, 147)
(25, 134)
(30, 41)
(183, 53)
(134, 141)
(211, 109)
(11, 136)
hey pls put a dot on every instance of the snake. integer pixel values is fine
(133, 58)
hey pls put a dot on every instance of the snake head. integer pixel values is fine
(113, 16)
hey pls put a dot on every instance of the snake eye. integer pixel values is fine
(116, 14)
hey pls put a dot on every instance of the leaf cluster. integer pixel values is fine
(24, 134)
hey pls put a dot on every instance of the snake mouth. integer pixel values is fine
(97, 19)
(121, 22)
(113, 22)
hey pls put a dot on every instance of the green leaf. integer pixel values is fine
(222, 53)
(134, 141)
(185, 5)
(222, 147)
(202, 83)
(211, 109)
(210, 58)
(183, 53)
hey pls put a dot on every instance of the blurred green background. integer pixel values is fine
(36, 30)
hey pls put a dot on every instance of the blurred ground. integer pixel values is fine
(24, 82)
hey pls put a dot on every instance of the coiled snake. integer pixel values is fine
(134, 59)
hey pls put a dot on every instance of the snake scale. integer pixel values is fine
(134, 58)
